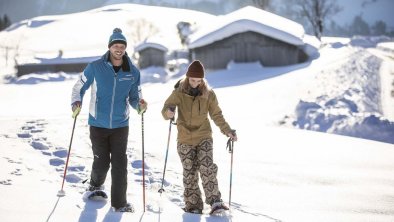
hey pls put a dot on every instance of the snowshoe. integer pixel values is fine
(218, 208)
(93, 188)
(128, 208)
(95, 193)
(192, 211)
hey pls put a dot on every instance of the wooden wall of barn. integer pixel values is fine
(40, 68)
(151, 57)
(248, 47)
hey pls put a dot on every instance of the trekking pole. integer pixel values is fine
(143, 160)
(61, 192)
(230, 146)
(168, 145)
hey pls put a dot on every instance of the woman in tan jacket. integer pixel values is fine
(195, 100)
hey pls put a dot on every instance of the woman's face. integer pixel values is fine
(194, 82)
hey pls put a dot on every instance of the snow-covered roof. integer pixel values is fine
(151, 43)
(249, 19)
(45, 29)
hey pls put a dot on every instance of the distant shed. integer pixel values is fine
(151, 54)
(249, 35)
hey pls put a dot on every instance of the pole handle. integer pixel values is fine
(76, 112)
(172, 109)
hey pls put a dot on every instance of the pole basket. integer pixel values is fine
(61, 193)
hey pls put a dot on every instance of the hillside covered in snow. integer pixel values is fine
(315, 139)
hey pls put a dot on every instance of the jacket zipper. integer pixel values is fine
(191, 117)
(113, 101)
(199, 107)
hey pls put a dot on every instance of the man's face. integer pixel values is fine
(117, 51)
(194, 82)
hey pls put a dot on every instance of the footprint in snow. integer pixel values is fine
(34, 126)
(137, 164)
(56, 162)
(12, 161)
(28, 127)
(6, 182)
(61, 153)
(36, 130)
(24, 134)
(16, 172)
(72, 178)
(39, 145)
(76, 168)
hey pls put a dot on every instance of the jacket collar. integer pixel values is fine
(204, 91)
(125, 63)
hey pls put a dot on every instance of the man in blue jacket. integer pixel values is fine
(115, 85)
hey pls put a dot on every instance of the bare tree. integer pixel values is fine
(142, 29)
(184, 30)
(317, 12)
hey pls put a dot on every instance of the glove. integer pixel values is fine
(76, 108)
(170, 113)
(233, 135)
(142, 106)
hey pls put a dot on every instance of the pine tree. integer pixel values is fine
(4, 22)
(379, 28)
(360, 26)
(316, 12)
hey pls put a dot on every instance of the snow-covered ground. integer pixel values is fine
(280, 172)
(352, 99)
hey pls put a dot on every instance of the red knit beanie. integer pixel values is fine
(195, 70)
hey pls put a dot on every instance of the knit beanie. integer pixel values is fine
(195, 70)
(117, 37)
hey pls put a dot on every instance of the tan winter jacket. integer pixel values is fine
(192, 122)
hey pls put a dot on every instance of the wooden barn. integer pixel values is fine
(151, 54)
(54, 65)
(249, 35)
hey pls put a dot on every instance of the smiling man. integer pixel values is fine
(115, 85)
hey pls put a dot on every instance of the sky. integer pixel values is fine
(19, 10)
(370, 11)
(290, 163)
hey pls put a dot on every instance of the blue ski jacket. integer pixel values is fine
(111, 93)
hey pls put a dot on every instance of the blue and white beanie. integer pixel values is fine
(117, 37)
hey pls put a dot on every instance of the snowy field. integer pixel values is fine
(315, 143)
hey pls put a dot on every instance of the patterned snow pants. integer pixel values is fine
(198, 160)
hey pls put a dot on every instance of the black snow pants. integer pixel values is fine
(109, 147)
